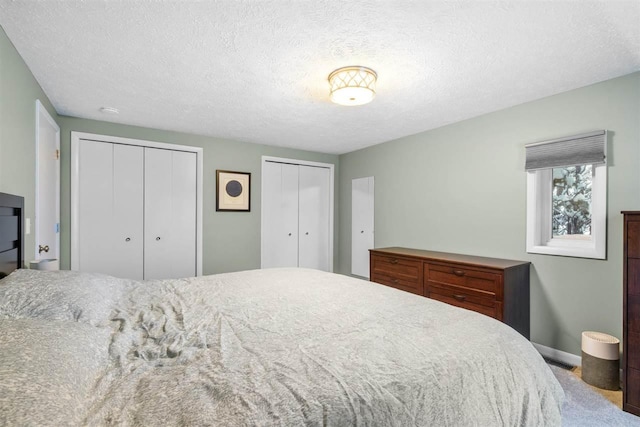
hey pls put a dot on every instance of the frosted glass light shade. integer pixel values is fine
(353, 85)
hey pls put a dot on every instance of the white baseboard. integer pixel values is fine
(558, 355)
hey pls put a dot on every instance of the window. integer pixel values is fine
(566, 196)
(571, 201)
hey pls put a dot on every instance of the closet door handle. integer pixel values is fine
(128, 239)
(362, 231)
(158, 238)
(307, 233)
(289, 234)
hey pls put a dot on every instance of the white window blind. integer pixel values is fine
(587, 148)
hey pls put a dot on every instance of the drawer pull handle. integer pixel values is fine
(458, 272)
(393, 261)
(460, 297)
(395, 280)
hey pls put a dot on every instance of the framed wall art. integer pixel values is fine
(233, 191)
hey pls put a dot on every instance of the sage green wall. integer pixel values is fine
(231, 240)
(18, 93)
(461, 188)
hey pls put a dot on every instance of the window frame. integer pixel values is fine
(539, 220)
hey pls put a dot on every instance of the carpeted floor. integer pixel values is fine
(585, 407)
(614, 397)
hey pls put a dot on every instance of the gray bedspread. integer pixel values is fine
(291, 347)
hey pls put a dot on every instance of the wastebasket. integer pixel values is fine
(45, 264)
(601, 360)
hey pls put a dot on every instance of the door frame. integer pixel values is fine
(42, 112)
(331, 168)
(76, 137)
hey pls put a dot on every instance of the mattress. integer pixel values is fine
(274, 347)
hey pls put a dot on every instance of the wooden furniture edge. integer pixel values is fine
(469, 260)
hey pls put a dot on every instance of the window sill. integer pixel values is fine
(590, 252)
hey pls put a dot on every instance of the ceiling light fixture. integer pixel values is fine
(353, 85)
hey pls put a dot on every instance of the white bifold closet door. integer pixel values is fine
(111, 209)
(296, 213)
(170, 214)
(127, 231)
(136, 211)
(280, 215)
(313, 217)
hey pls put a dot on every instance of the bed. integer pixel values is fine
(282, 347)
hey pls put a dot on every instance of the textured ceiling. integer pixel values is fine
(257, 71)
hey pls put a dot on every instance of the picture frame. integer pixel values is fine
(233, 191)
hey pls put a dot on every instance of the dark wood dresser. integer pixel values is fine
(495, 287)
(631, 313)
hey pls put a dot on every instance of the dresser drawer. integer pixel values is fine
(471, 299)
(633, 276)
(396, 266)
(453, 296)
(462, 294)
(461, 276)
(632, 392)
(633, 350)
(413, 286)
(401, 273)
(633, 237)
(633, 313)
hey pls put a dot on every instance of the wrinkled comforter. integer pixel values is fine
(284, 347)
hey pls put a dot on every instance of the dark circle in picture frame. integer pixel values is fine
(233, 188)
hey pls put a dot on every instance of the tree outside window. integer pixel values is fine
(571, 200)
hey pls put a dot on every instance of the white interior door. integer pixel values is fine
(47, 201)
(314, 212)
(169, 214)
(362, 220)
(128, 212)
(95, 207)
(279, 215)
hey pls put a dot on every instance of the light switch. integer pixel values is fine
(27, 226)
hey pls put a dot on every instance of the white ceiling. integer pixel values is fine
(257, 71)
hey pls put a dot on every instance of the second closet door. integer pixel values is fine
(170, 214)
(313, 214)
(128, 212)
(280, 210)
(110, 189)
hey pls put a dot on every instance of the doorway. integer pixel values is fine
(47, 200)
